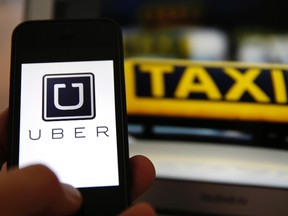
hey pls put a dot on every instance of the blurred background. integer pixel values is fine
(11, 14)
(188, 150)
(189, 29)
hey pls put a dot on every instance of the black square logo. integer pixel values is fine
(68, 97)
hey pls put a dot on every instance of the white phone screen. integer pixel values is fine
(67, 121)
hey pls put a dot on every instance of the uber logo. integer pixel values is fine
(68, 97)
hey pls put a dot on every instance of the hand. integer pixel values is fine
(35, 190)
(142, 176)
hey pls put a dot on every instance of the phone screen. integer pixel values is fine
(68, 121)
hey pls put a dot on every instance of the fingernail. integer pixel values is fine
(72, 193)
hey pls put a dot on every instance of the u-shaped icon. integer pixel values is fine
(80, 103)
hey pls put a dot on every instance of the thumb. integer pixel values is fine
(35, 190)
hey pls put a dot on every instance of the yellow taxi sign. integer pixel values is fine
(211, 90)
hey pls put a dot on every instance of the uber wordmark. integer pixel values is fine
(59, 133)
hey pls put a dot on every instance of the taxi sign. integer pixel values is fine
(210, 90)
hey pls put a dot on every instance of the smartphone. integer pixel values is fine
(68, 108)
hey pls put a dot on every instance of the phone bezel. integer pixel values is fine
(65, 41)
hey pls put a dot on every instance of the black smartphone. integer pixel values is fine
(68, 109)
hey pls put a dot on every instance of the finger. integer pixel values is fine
(35, 190)
(3, 134)
(141, 209)
(4, 168)
(142, 175)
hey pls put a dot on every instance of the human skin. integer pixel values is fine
(35, 190)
